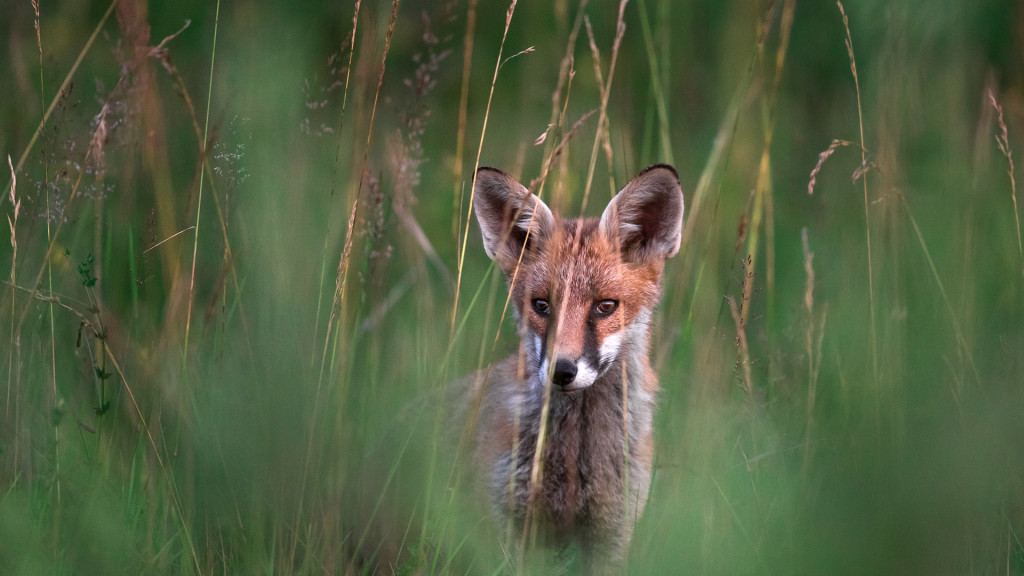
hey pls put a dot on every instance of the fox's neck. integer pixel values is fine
(579, 417)
(585, 467)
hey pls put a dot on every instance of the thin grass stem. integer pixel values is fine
(942, 291)
(204, 158)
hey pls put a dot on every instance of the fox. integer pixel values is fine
(563, 429)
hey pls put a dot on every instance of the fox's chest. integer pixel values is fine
(582, 467)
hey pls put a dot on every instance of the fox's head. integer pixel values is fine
(584, 288)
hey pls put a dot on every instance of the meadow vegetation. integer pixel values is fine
(242, 265)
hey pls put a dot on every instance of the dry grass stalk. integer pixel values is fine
(460, 136)
(1003, 141)
(341, 279)
(788, 13)
(471, 420)
(739, 316)
(162, 54)
(813, 337)
(763, 208)
(602, 121)
(526, 50)
(603, 130)
(13, 223)
(809, 271)
(867, 216)
(483, 132)
(559, 105)
(809, 338)
(556, 153)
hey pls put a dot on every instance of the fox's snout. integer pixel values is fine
(564, 373)
(571, 373)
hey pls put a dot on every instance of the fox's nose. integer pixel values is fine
(565, 372)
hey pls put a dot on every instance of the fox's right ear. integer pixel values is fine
(506, 210)
(646, 217)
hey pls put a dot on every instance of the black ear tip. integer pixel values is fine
(489, 169)
(654, 167)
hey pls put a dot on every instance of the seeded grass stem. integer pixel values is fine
(864, 182)
(341, 281)
(334, 173)
(63, 87)
(1003, 141)
(49, 267)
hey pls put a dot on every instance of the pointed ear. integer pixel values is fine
(506, 210)
(646, 217)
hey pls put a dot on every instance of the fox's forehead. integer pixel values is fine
(579, 261)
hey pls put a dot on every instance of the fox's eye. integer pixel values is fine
(541, 307)
(606, 307)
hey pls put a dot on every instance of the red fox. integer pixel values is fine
(582, 387)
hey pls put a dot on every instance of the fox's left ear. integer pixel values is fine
(646, 217)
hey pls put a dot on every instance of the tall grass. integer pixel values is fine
(261, 385)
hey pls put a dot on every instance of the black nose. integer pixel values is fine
(565, 372)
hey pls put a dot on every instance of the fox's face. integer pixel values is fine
(584, 288)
